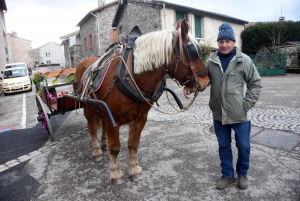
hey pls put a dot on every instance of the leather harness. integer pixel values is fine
(124, 80)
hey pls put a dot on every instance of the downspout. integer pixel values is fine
(97, 30)
(165, 16)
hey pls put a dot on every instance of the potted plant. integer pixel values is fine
(37, 79)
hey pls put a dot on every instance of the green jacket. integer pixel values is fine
(235, 92)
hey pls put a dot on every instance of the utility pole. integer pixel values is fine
(282, 18)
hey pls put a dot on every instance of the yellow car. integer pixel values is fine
(15, 80)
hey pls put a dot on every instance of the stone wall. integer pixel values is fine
(20, 50)
(146, 16)
(75, 54)
(293, 56)
(35, 55)
(89, 30)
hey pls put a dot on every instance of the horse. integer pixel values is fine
(154, 54)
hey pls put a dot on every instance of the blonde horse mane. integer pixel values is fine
(152, 50)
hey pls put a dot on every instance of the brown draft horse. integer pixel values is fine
(155, 54)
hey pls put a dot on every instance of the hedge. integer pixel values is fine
(45, 65)
(255, 37)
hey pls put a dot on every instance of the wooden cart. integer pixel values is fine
(48, 96)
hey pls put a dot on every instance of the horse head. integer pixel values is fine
(186, 65)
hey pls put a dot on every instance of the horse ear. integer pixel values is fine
(185, 27)
(178, 24)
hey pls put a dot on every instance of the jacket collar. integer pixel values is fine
(215, 56)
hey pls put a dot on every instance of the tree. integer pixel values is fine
(276, 33)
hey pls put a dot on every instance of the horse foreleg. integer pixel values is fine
(113, 149)
(93, 126)
(103, 137)
(135, 129)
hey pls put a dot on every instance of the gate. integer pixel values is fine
(270, 64)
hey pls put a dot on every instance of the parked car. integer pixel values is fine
(15, 80)
(14, 65)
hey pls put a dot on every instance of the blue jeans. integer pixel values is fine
(242, 138)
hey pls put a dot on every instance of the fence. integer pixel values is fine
(270, 64)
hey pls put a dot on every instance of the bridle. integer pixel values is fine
(193, 52)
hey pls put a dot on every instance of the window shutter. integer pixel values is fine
(197, 27)
(179, 16)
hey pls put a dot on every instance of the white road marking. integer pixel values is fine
(24, 112)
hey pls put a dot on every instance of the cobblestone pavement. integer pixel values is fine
(278, 119)
(278, 107)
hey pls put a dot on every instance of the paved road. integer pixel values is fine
(178, 154)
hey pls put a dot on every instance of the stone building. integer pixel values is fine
(72, 50)
(95, 29)
(159, 15)
(4, 55)
(20, 49)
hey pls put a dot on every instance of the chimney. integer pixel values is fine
(101, 3)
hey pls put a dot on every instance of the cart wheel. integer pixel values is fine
(43, 115)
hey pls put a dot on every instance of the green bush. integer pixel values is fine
(45, 65)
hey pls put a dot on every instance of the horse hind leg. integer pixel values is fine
(135, 129)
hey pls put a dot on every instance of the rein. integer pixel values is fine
(191, 69)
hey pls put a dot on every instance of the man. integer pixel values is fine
(235, 89)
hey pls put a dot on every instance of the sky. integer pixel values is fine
(42, 21)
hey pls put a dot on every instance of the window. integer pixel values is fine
(48, 62)
(179, 16)
(85, 45)
(91, 40)
(197, 27)
(47, 54)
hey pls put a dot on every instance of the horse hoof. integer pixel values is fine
(136, 177)
(104, 148)
(118, 181)
(98, 158)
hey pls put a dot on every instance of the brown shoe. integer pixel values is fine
(243, 182)
(224, 182)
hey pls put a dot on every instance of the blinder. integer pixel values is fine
(193, 51)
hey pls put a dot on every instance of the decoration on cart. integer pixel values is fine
(70, 78)
(38, 79)
(50, 96)
(132, 83)
(47, 95)
(55, 81)
(44, 122)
